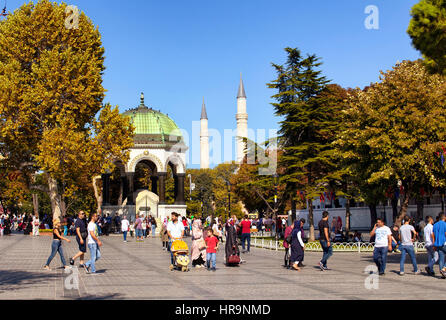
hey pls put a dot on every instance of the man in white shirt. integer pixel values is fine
(407, 236)
(125, 227)
(383, 244)
(429, 245)
(175, 231)
(93, 244)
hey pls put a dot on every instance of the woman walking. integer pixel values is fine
(144, 227)
(198, 250)
(297, 244)
(154, 225)
(231, 247)
(56, 245)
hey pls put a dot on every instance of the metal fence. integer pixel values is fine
(316, 246)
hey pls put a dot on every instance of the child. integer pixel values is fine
(211, 250)
(132, 229)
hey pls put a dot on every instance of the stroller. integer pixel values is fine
(180, 252)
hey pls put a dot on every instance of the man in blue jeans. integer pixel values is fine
(429, 245)
(93, 244)
(439, 239)
(407, 236)
(246, 233)
(324, 239)
(383, 244)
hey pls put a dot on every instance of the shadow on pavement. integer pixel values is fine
(102, 297)
(20, 279)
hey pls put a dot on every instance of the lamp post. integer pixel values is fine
(276, 182)
(229, 199)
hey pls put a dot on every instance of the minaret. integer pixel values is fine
(204, 139)
(242, 121)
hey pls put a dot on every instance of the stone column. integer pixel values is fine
(106, 189)
(162, 187)
(180, 188)
(130, 176)
(154, 184)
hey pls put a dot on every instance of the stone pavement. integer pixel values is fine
(141, 271)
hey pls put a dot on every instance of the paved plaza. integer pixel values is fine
(141, 271)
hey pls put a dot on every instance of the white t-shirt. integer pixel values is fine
(175, 229)
(92, 227)
(406, 235)
(125, 225)
(428, 230)
(381, 238)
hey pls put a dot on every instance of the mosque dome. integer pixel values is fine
(153, 127)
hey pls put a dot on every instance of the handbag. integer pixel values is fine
(234, 259)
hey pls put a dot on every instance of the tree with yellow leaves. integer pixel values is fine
(50, 94)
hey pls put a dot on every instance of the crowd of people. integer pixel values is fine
(208, 235)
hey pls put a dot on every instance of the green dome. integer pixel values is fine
(153, 127)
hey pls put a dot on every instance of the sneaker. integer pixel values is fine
(214, 269)
(381, 273)
(417, 272)
(443, 273)
(72, 261)
(87, 269)
(429, 272)
(401, 273)
(82, 265)
(321, 266)
(46, 268)
(67, 268)
(326, 269)
(397, 251)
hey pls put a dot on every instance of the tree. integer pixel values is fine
(393, 130)
(428, 32)
(307, 125)
(50, 93)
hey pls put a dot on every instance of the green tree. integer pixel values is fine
(427, 30)
(307, 127)
(393, 130)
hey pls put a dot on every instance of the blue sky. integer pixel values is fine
(176, 52)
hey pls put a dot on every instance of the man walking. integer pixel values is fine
(125, 227)
(407, 236)
(429, 245)
(383, 243)
(439, 238)
(81, 238)
(93, 244)
(324, 239)
(138, 229)
(246, 233)
(175, 231)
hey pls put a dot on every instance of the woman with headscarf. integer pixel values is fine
(198, 250)
(164, 236)
(231, 247)
(297, 244)
(339, 225)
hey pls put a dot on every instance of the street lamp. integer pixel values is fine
(229, 198)
(276, 182)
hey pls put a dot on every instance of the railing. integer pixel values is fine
(316, 246)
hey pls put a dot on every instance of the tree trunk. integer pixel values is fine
(54, 198)
(97, 194)
(293, 210)
(395, 208)
(373, 214)
(347, 216)
(403, 210)
(310, 219)
(420, 209)
(36, 203)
